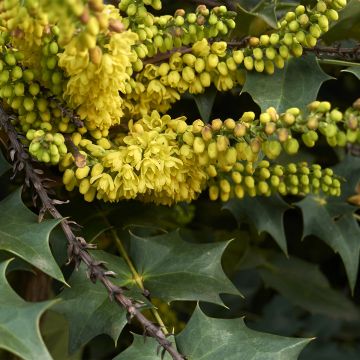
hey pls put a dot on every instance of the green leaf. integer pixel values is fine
(19, 322)
(16, 264)
(205, 103)
(266, 213)
(55, 331)
(213, 339)
(207, 338)
(348, 25)
(254, 22)
(144, 349)
(87, 306)
(294, 86)
(342, 234)
(355, 70)
(173, 269)
(22, 235)
(304, 285)
(4, 165)
(349, 169)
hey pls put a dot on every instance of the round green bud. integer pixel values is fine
(291, 146)
(332, 14)
(56, 78)
(274, 39)
(270, 53)
(28, 104)
(324, 106)
(307, 140)
(272, 149)
(265, 118)
(341, 138)
(311, 40)
(291, 168)
(4, 76)
(275, 181)
(249, 182)
(315, 31)
(34, 89)
(330, 130)
(259, 65)
(10, 59)
(264, 40)
(19, 89)
(51, 63)
(297, 50)
(212, 61)
(16, 73)
(263, 187)
(248, 63)
(293, 26)
(284, 51)
(238, 56)
(53, 48)
(258, 54)
(336, 115)
(323, 23)
(269, 67)
(28, 75)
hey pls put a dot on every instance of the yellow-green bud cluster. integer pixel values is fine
(338, 128)
(265, 179)
(165, 32)
(50, 75)
(45, 146)
(36, 107)
(297, 29)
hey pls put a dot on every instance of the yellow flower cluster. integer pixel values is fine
(151, 165)
(97, 74)
(28, 24)
(146, 94)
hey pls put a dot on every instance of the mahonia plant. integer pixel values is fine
(91, 84)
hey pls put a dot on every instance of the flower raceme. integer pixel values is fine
(105, 77)
(166, 160)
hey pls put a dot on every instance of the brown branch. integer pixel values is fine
(336, 52)
(77, 246)
(160, 57)
(80, 159)
(166, 55)
(213, 3)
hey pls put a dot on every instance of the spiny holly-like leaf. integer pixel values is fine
(295, 85)
(173, 269)
(342, 233)
(304, 285)
(87, 307)
(22, 235)
(212, 339)
(4, 165)
(205, 103)
(349, 169)
(255, 21)
(265, 212)
(355, 70)
(16, 264)
(144, 349)
(55, 331)
(348, 26)
(207, 338)
(19, 322)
